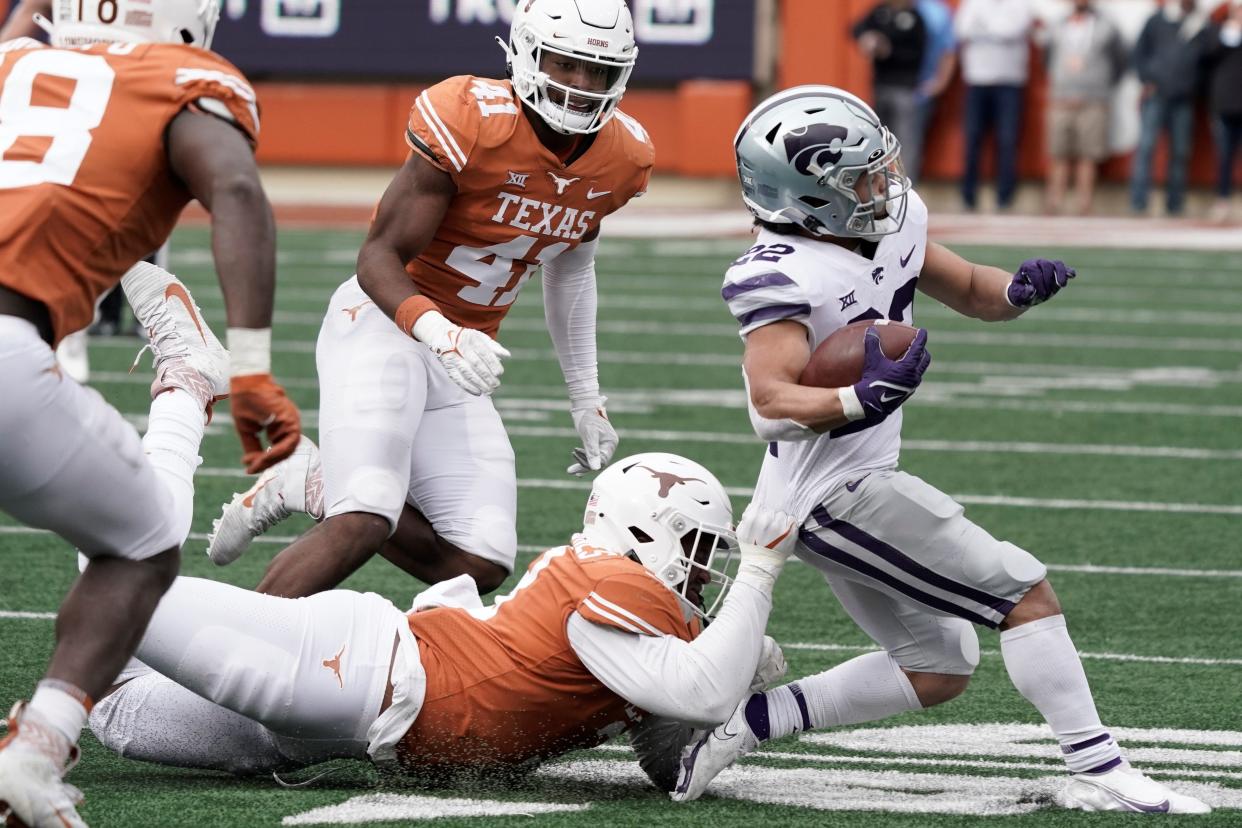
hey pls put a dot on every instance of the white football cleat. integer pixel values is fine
(187, 354)
(704, 758)
(292, 485)
(32, 792)
(1126, 789)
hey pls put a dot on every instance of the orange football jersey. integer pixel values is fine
(517, 205)
(85, 186)
(504, 685)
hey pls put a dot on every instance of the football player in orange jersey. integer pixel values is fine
(103, 139)
(599, 637)
(504, 176)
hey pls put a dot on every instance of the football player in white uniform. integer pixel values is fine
(844, 238)
(504, 176)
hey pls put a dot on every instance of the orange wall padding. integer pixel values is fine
(364, 124)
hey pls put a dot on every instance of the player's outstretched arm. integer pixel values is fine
(216, 163)
(408, 216)
(989, 293)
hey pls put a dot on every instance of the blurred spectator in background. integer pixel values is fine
(939, 61)
(20, 22)
(1167, 57)
(994, 36)
(893, 36)
(1224, 51)
(1086, 58)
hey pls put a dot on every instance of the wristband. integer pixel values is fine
(250, 351)
(850, 406)
(410, 310)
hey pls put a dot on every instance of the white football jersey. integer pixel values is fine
(825, 287)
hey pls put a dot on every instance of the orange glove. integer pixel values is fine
(259, 405)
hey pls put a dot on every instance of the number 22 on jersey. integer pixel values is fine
(25, 118)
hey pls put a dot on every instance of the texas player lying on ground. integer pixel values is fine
(843, 238)
(599, 637)
(504, 176)
(102, 145)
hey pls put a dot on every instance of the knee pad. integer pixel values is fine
(374, 490)
(1020, 565)
(492, 536)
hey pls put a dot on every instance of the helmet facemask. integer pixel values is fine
(570, 60)
(701, 563)
(881, 189)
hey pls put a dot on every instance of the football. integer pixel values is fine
(838, 361)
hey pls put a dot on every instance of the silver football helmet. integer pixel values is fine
(599, 33)
(191, 22)
(818, 157)
(674, 517)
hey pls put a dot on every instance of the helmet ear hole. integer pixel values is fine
(186, 37)
(771, 136)
(640, 535)
(813, 202)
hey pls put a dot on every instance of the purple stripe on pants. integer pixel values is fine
(907, 564)
(821, 547)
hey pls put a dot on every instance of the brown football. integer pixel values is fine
(838, 361)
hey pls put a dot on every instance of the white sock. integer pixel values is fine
(56, 705)
(863, 689)
(174, 435)
(1045, 667)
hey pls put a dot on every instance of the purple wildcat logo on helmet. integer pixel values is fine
(815, 146)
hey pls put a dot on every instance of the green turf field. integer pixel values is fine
(1101, 433)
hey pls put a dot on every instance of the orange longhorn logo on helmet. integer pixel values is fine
(668, 480)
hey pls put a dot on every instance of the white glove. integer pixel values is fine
(471, 358)
(771, 666)
(766, 538)
(599, 438)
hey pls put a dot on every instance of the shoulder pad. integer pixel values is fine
(634, 602)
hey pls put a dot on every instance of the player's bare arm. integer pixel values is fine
(216, 163)
(409, 214)
(986, 292)
(775, 356)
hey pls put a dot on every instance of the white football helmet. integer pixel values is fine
(77, 23)
(674, 517)
(818, 158)
(599, 33)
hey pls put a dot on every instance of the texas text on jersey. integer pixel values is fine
(504, 685)
(85, 185)
(517, 204)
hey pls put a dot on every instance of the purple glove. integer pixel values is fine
(1037, 280)
(885, 383)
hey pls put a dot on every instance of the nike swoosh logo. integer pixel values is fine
(592, 194)
(854, 484)
(890, 397)
(176, 291)
(905, 260)
(248, 500)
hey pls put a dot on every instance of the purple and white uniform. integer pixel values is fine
(899, 554)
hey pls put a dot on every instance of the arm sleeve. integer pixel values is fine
(569, 306)
(698, 682)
